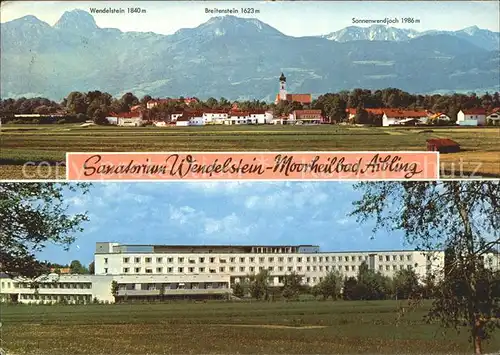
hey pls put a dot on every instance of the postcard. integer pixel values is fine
(375, 267)
(267, 76)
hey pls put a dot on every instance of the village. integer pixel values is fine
(189, 116)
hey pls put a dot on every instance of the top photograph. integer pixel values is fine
(249, 76)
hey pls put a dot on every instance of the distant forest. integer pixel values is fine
(97, 105)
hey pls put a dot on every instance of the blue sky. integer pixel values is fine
(221, 213)
(293, 18)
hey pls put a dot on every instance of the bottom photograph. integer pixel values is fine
(250, 268)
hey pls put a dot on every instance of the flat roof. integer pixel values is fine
(216, 245)
(271, 246)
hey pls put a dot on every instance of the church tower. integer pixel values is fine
(282, 93)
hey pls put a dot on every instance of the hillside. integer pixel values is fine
(228, 56)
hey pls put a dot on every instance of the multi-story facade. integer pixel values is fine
(240, 261)
(172, 271)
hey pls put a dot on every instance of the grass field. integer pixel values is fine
(38, 143)
(314, 327)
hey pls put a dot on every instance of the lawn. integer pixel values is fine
(49, 143)
(310, 327)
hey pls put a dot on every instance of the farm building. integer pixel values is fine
(393, 117)
(442, 145)
(472, 117)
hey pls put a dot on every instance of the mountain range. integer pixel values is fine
(482, 38)
(238, 58)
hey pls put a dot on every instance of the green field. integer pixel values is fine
(311, 327)
(37, 143)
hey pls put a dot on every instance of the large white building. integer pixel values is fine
(201, 271)
(240, 261)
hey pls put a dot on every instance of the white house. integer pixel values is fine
(258, 117)
(269, 116)
(130, 119)
(182, 121)
(237, 118)
(393, 117)
(282, 120)
(174, 116)
(306, 117)
(196, 120)
(472, 117)
(214, 117)
(190, 119)
(494, 117)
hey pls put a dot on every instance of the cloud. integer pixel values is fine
(227, 225)
(220, 213)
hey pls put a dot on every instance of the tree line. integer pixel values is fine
(367, 285)
(75, 267)
(97, 105)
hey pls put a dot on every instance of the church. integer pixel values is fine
(304, 99)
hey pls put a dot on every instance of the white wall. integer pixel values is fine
(311, 265)
(175, 116)
(130, 122)
(480, 119)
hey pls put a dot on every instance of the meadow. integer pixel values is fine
(311, 327)
(49, 143)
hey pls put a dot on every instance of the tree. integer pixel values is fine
(330, 286)
(238, 290)
(145, 99)
(129, 100)
(405, 284)
(259, 285)
(76, 267)
(33, 215)
(114, 289)
(76, 103)
(162, 292)
(371, 285)
(292, 285)
(350, 291)
(435, 215)
(212, 103)
(361, 116)
(92, 268)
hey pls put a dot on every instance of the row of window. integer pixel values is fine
(243, 269)
(54, 285)
(87, 298)
(175, 286)
(308, 259)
